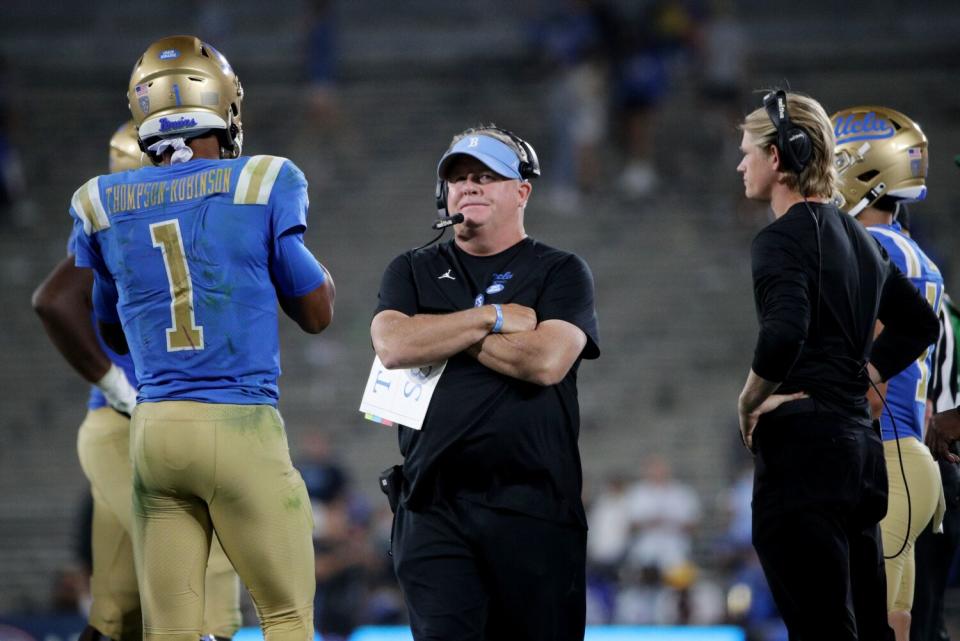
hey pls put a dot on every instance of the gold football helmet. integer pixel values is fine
(879, 153)
(184, 87)
(125, 150)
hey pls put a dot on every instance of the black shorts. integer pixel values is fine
(469, 572)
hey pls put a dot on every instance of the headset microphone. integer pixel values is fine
(447, 221)
(442, 224)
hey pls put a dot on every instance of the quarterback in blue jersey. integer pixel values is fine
(103, 444)
(882, 160)
(190, 258)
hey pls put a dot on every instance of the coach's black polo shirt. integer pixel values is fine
(490, 438)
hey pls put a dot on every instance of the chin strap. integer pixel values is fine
(181, 151)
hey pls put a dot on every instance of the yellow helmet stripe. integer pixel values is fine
(909, 254)
(86, 202)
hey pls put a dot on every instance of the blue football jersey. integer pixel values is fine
(907, 391)
(189, 249)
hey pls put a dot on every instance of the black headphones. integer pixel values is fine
(793, 142)
(529, 167)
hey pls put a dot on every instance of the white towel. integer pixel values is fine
(181, 151)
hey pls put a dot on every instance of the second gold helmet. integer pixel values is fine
(183, 87)
(125, 150)
(880, 153)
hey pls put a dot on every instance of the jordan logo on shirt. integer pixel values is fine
(447, 274)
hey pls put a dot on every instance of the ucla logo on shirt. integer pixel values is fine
(860, 126)
(495, 288)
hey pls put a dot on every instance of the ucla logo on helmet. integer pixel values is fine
(169, 54)
(182, 123)
(862, 126)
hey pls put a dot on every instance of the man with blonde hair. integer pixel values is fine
(820, 284)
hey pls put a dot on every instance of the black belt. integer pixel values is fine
(799, 406)
(812, 406)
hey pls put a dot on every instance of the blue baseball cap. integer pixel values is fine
(496, 155)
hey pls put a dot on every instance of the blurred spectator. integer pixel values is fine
(643, 599)
(663, 513)
(322, 473)
(215, 24)
(345, 561)
(12, 184)
(736, 543)
(355, 584)
(321, 61)
(576, 41)
(607, 542)
(324, 124)
(750, 603)
(655, 35)
(70, 592)
(722, 67)
(385, 604)
(610, 527)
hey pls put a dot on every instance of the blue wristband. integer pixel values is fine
(497, 326)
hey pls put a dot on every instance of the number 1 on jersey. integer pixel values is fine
(184, 333)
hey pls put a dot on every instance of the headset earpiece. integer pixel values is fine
(793, 142)
(441, 196)
(529, 163)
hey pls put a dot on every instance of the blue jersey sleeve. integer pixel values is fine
(85, 248)
(294, 269)
(288, 201)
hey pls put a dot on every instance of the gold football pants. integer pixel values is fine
(103, 444)
(204, 468)
(926, 490)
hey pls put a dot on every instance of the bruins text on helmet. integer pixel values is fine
(880, 153)
(125, 150)
(183, 87)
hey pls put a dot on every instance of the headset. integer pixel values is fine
(529, 167)
(793, 141)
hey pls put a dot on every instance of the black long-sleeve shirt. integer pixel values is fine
(820, 284)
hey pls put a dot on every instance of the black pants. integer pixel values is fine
(820, 490)
(471, 573)
(934, 556)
